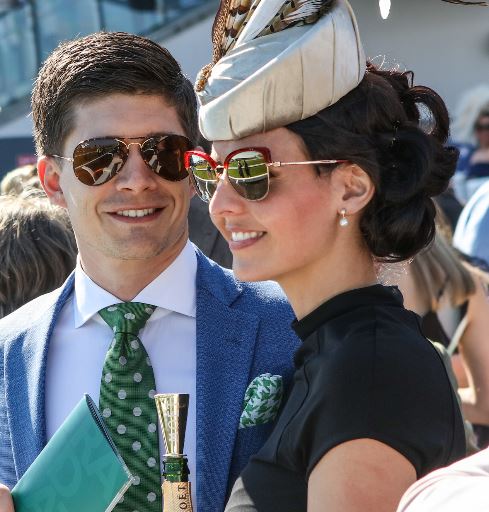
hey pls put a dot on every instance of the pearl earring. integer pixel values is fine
(343, 221)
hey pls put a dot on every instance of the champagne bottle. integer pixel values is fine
(172, 413)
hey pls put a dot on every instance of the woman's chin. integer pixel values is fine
(250, 272)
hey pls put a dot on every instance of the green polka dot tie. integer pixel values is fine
(127, 404)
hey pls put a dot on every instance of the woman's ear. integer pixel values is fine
(357, 186)
(49, 176)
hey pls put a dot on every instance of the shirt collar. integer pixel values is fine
(173, 290)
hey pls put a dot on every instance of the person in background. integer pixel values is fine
(340, 176)
(451, 299)
(461, 486)
(466, 137)
(477, 169)
(16, 181)
(471, 235)
(37, 249)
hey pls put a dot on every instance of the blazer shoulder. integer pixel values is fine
(265, 294)
(257, 297)
(37, 310)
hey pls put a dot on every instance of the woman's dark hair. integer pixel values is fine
(377, 127)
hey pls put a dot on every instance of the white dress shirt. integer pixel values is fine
(81, 339)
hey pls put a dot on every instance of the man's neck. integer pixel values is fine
(126, 278)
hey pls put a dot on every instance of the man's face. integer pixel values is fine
(137, 215)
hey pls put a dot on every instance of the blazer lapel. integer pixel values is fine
(25, 372)
(225, 347)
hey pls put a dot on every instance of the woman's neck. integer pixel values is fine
(312, 285)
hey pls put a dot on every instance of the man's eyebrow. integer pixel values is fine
(146, 135)
(156, 134)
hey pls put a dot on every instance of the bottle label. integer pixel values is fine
(177, 497)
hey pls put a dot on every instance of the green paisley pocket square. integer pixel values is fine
(262, 400)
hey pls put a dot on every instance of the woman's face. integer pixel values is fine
(482, 131)
(290, 230)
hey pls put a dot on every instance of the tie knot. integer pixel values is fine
(127, 317)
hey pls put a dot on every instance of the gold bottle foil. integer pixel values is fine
(172, 412)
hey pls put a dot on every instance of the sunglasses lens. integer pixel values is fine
(248, 174)
(97, 161)
(165, 156)
(203, 175)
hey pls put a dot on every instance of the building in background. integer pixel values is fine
(447, 45)
(31, 29)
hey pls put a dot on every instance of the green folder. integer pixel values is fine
(79, 470)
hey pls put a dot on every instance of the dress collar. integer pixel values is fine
(173, 290)
(346, 302)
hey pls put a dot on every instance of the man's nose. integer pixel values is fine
(136, 175)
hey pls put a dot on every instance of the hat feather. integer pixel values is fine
(265, 12)
(298, 12)
(274, 15)
(241, 17)
(240, 21)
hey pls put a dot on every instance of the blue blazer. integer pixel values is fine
(243, 330)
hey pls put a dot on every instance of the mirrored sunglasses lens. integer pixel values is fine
(165, 156)
(97, 161)
(248, 174)
(204, 177)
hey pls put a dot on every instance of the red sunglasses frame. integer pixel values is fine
(264, 151)
(268, 162)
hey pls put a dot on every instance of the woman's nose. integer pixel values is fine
(225, 200)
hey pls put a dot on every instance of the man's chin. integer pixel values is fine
(133, 251)
(137, 255)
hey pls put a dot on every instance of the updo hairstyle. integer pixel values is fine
(377, 127)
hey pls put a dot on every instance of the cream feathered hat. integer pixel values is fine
(277, 62)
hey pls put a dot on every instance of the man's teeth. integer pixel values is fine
(239, 236)
(136, 213)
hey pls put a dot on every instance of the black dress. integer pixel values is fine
(364, 371)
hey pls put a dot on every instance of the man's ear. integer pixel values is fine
(49, 176)
(358, 188)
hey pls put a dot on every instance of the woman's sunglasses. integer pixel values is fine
(96, 161)
(247, 170)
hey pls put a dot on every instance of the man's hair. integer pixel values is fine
(37, 249)
(90, 68)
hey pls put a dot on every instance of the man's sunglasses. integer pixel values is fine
(247, 170)
(482, 127)
(96, 161)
